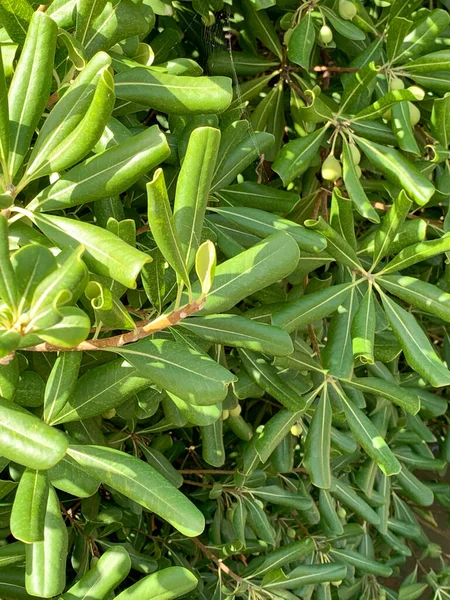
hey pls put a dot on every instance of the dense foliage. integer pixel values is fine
(224, 298)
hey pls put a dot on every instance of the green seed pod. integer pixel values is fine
(325, 34)
(414, 114)
(331, 168)
(396, 84)
(347, 10)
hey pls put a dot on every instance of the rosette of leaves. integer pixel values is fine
(211, 385)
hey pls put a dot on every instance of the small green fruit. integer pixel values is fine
(291, 532)
(418, 92)
(325, 34)
(414, 114)
(225, 415)
(296, 430)
(341, 512)
(396, 84)
(358, 171)
(331, 168)
(355, 154)
(347, 9)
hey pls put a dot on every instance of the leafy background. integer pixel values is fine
(224, 295)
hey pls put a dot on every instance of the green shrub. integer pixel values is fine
(224, 297)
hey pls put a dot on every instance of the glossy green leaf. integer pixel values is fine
(140, 482)
(250, 271)
(422, 295)
(30, 86)
(311, 307)
(162, 225)
(301, 42)
(354, 188)
(46, 560)
(345, 493)
(27, 440)
(193, 189)
(429, 63)
(164, 585)
(159, 462)
(263, 224)
(385, 235)
(105, 174)
(266, 376)
(213, 451)
(369, 437)
(361, 562)
(296, 156)
(376, 110)
(416, 347)
(8, 286)
(87, 12)
(29, 508)
(108, 309)
(440, 122)
(111, 569)
(307, 574)
(416, 253)
(363, 329)
(401, 126)
(4, 117)
(398, 170)
(15, 17)
(185, 372)
(31, 264)
(409, 401)
(104, 252)
(317, 445)
(172, 94)
(69, 476)
(234, 330)
(422, 34)
(289, 553)
(337, 247)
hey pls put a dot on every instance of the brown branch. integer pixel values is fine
(144, 329)
(337, 69)
(220, 565)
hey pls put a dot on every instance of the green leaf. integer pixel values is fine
(354, 187)
(345, 493)
(108, 309)
(369, 437)
(99, 390)
(15, 17)
(267, 377)
(32, 264)
(398, 29)
(176, 95)
(317, 445)
(363, 329)
(311, 307)
(337, 247)
(309, 574)
(236, 153)
(213, 451)
(163, 585)
(289, 553)
(258, 267)
(296, 156)
(104, 253)
(275, 430)
(401, 126)
(256, 195)
(237, 331)
(193, 189)
(263, 224)
(72, 328)
(423, 295)
(413, 488)
(29, 508)
(8, 285)
(417, 253)
(357, 91)
(328, 513)
(140, 482)
(111, 569)
(67, 475)
(205, 265)
(262, 28)
(30, 86)
(398, 170)
(259, 522)
(416, 347)
(429, 63)
(185, 372)
(385, 235)
(345, 28)
(46, 560)
(440, 121)
(87, 12)
(105, 174)
(163, 465)
(403, 397)
(361, 562)
(301, 42)
(422, 35)
(4, 116)
(162, 225)
(377, 110)
(82, 138)
(27, 440)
